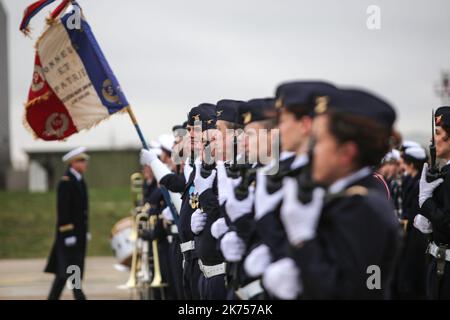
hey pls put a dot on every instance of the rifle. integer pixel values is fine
(209, 164)
(304, 180)
(434, 172)
(233, 171)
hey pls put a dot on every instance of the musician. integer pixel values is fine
(72, 232)
(171, 244)
(434, 202)
(337, 238)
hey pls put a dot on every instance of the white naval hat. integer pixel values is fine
(393, 155)
(409, 144)
(75, 154)
(166, 142)
(417, 153)
(155, 146)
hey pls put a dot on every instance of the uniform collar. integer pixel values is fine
(342, 183)
(76, 174)
(300, 161)
(448, 162)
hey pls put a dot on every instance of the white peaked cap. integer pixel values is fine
(408, 144)
(166, 141)
(416, 153)
(76, 153)
(156, 146)
(393, 155)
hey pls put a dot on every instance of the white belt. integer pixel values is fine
(433, 250)
(187, 246)
(174, 229)
(211, 271)
(250, 290)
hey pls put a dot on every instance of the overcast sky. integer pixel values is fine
(170, 55)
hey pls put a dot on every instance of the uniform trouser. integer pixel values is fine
(176, 268)
(58, 287)
(212, 288)
(191, 274)
(166, 273)
(438, 287)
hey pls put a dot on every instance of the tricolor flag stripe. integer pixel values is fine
(31, 11)
(41, 96)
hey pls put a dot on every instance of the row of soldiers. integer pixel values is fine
(324, 209)
(334, 213)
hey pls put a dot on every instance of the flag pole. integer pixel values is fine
(136, 126)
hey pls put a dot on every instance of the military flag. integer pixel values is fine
(73, 87)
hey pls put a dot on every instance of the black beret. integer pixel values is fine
(442, 116)
(227, 110)
(301, 96)
(256, 110)
(206, 113)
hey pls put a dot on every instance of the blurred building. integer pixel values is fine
(4, 101)
(107, 168)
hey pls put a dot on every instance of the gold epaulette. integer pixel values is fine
(65, 178)
(66, 227)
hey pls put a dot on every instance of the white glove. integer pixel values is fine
(257, 261)
(426, 188)
(266, 201)
(423, 224)
(88, 236)
(187, 170)
(198, 221)
(233, 248)
(300, 220)
(218, 228)
(167, 214)
(148, 156)
(237, 208)
(282, 279)
(202, 184)
(222, 182)
(70, 241)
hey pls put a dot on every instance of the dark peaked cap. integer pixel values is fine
(256, 110)
(206, 113)
(227, 110)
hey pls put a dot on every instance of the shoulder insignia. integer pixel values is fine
(66, 227)
(65, 178)
(356, 191)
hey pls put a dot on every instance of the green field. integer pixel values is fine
(27, 221)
